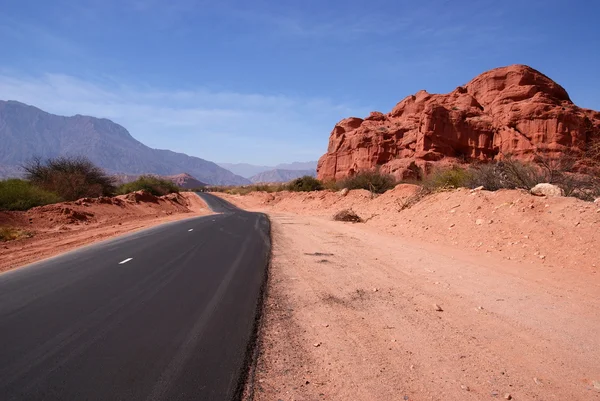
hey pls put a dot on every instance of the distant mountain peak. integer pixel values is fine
(250, 170)
(26, 132)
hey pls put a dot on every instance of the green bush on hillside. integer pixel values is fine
(154, 185)
(71, 178)
(305, 184)
(18, 194)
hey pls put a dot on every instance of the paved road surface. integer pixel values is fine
(164, 314)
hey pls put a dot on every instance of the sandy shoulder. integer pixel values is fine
(351, 314)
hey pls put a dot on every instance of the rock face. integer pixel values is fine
(513, 110)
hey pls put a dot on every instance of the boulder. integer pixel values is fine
(546, 189)
(512, 110)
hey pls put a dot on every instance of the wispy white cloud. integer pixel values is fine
(226, 126)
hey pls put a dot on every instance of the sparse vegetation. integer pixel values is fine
(18, 194)
(513, 174)
(454, 177)
(372, 181)
(71, 178)
(11, 234)
(246, 189)
(154, 185)
(506, 174)
(302, 184)
(305, 184)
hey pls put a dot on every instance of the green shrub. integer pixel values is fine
(305, 184)
(454, 177)
(154, 185)
(372, 181)
(18, 194)
(71, 178)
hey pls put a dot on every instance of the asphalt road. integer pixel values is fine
(164, 314)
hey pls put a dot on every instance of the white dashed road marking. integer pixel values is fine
(125, 261)
(191, 229)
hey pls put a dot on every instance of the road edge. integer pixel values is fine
(246, 384)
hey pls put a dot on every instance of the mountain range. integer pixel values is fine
(281, 175)
(250, 170)
(27, 132)
(183, 180)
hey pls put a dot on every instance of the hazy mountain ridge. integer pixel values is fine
(26, 131)
(250, 170)
(280, 175)
(183, 180)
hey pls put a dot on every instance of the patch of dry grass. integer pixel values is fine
(12, 234)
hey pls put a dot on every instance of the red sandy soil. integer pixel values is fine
(61, 227)
(352, 309)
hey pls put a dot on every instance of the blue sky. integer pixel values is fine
(263, 81)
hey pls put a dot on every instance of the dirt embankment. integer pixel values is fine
(54, 229)
(510, 224)
(463, 296)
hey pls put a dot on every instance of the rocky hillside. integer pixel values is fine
(279, 175)
(513, 110)
(26, 131)
(185, 181)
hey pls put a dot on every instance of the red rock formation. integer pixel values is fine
(513, 110)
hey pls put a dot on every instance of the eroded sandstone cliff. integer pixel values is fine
(513, 110)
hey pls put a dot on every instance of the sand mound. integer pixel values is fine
(88, 211)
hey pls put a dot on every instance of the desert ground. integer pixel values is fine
(456, 295)
(465, 295)
(53, 229)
